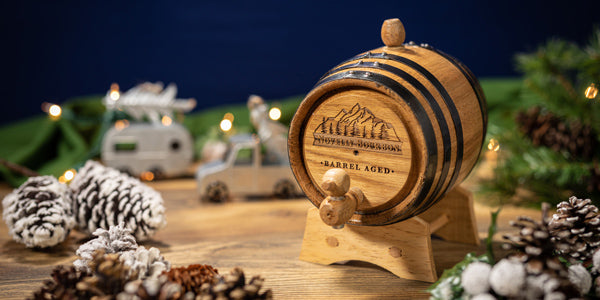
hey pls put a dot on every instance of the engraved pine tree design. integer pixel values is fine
(359, 122)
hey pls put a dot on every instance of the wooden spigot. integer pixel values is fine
(341, 203)
(392, 33)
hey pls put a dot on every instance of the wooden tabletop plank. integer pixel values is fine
(263, 236)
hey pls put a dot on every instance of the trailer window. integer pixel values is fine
(120, 147)
(175, 145)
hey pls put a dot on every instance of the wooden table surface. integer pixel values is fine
(261, 236)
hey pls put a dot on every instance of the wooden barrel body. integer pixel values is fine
(406, 123)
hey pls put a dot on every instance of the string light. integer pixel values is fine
(275, 113)
(147, 176)
(225, 125)
(114, 92)
(227, 122)
(591, 92)
(121, 124)
(67, 176)
(54, 111)
(229, 116)
(493, 145)
(166, 120)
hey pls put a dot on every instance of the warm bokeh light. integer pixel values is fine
(147, 176)
(166, 120)
(228, 116)
(226, 125)
(493, 145)
(591, 92)
(275, 113)
(67, 176)
(54, 111)
(121, 124)
(115, 95)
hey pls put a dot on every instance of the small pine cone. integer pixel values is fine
(106, 279)
(536, 248)
(109, 275)
(534, 245)
(146, 263)
(117, 239)
(38, 213)
(233, 286)
(105, 197)
(577, 225)
(151, 288)
(192, 277)
(63, 285)
(547, 129)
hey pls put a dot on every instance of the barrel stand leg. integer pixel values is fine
(403, 248)
(461, 226)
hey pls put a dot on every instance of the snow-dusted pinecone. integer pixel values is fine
(38, 213)
(115, 240)
(535, 249)
(576, 225)
(151, 288)
(105, 197)
(141, 261)
(146, 263)
(547, 129)
(234, 286)
(192, 277)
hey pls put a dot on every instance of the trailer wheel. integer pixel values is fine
(284, 189)
(216, 192)
(158, 173)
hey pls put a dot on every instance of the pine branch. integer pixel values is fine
(22, 170)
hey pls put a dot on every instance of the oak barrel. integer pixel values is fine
(405, 121)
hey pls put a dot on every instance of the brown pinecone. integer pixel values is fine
(234, 286)
(576, 224)
(106, 279)
(535, 249)
(547, 129)
(109, 275)
(160, 288)
(192, 277)
(62, 285)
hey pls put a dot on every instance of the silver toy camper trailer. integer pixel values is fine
(245, 171)
(142, 147)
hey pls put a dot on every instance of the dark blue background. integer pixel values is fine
(221, 51)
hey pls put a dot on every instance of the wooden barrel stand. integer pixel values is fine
(403, 248)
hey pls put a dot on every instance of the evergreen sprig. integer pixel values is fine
(555, 78)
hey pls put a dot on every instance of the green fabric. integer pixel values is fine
(51, 147)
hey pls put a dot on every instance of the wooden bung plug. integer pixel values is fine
(392, 33)
(342, 201)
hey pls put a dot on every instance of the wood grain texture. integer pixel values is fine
(263, 237)
(403, 248)
(406, 122)
(460, 225)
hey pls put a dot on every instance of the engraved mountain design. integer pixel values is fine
(357, 128)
